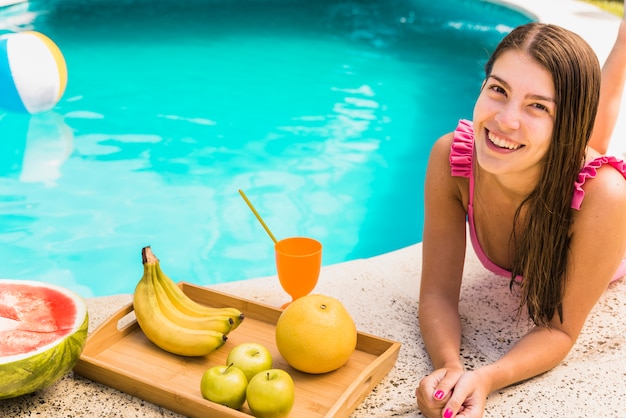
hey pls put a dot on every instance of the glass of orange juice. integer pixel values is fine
(298, 263)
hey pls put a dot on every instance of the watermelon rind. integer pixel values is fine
(25, 373)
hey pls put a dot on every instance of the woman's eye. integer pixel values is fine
(497, 89)
(541, 107)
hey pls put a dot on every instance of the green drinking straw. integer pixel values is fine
(257, 215)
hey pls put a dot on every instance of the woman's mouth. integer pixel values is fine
(502, 142)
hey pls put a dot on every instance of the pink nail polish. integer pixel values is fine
(439, 395)
(448, 413)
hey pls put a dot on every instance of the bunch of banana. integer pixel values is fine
(175, 322)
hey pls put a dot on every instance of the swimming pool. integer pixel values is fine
(322, 112)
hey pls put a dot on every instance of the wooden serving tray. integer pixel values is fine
(119, 355)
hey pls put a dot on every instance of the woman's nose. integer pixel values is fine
(508, 116)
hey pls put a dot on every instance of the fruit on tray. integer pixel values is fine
(175, 322)
(225, 385)
(250, 358)
(43, 329)
(271, 394)
(228, 384)
(316, 334)
(185, 304)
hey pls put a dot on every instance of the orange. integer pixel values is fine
(316, 334)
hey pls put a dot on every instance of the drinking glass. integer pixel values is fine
(298, 263)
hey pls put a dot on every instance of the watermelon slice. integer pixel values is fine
(43, 329)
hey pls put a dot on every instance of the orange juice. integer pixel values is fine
(298, 263)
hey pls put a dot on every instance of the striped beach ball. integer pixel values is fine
(33, 74)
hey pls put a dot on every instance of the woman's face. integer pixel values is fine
(514, 116)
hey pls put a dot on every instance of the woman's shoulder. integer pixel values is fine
(457, 148)
(609, 174)
(600, 219)
(449, 169)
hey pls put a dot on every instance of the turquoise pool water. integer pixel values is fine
(322, 112)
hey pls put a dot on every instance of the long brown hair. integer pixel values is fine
(542, 244)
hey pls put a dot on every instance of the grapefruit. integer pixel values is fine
(43, 329)
(316, 334)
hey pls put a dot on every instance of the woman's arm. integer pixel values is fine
(443, 255)
(611, 92)
(598, 245)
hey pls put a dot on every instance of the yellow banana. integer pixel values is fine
(219, 323)
(184, 303)
(190, 306)
(162, 331)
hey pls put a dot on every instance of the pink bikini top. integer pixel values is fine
(461, 158)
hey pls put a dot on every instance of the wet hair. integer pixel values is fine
(544, 218)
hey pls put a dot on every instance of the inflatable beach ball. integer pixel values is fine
(33, 74)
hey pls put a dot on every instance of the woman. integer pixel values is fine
(544, 208)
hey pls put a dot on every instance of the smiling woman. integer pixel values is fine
(323, 112)
(502, 98)
(518, 173)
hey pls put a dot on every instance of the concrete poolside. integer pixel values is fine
(381, 293)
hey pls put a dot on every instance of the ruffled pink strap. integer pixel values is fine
(462, 149)
(589, 171)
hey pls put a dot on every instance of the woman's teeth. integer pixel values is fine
(502, 143)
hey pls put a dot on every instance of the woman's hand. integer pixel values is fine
(451, 393)
(468, 398)
(434, 390)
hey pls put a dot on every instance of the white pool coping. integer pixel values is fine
(381, 294)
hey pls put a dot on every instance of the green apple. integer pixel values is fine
(251, 358)
(271, 394)
(225, 385)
